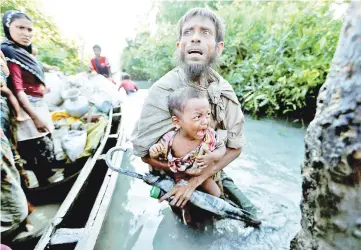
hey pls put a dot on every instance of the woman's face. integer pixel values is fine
(21, 31)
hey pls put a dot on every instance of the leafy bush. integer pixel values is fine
(150, 57)
(277, 54)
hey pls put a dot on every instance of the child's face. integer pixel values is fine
(194, 120)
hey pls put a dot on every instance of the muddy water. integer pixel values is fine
(268, 171)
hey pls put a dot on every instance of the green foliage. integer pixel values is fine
(150, 61)
(171, 11)
(159, 64)
(277, 54)
(53, 48)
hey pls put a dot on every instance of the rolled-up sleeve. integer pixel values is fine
(233, 123)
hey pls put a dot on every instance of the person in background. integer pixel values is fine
(123, 74)
(27, 82)
(100, 63)
(128, 85)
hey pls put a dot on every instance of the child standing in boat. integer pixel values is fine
(4, 73)
(183, 147)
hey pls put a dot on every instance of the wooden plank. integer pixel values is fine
(103, 211)
(101, 157)
(75, 190)
(120, 122)
(100, 208)
(103, 190)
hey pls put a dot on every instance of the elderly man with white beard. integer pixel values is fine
(200, 44)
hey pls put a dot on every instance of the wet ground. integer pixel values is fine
(268, 171)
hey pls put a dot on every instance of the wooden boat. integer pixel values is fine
(77, 193)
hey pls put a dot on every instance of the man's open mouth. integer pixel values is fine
(195, 51)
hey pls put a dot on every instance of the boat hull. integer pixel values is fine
(75, 194)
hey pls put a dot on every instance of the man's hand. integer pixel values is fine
(156, 150)
(181, 193)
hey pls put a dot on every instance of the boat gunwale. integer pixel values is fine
(75, 190)
(102, 203)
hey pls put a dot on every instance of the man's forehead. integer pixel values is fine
(199, 21)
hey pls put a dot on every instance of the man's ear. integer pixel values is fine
(175, 121)
(178, 44)
(219, 48)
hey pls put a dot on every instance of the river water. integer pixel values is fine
(268, 171)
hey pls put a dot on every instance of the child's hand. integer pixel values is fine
(156, 150)
(206, 159)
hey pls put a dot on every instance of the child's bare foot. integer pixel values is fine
(21, 118)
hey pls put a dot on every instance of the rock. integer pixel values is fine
(331, 204)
